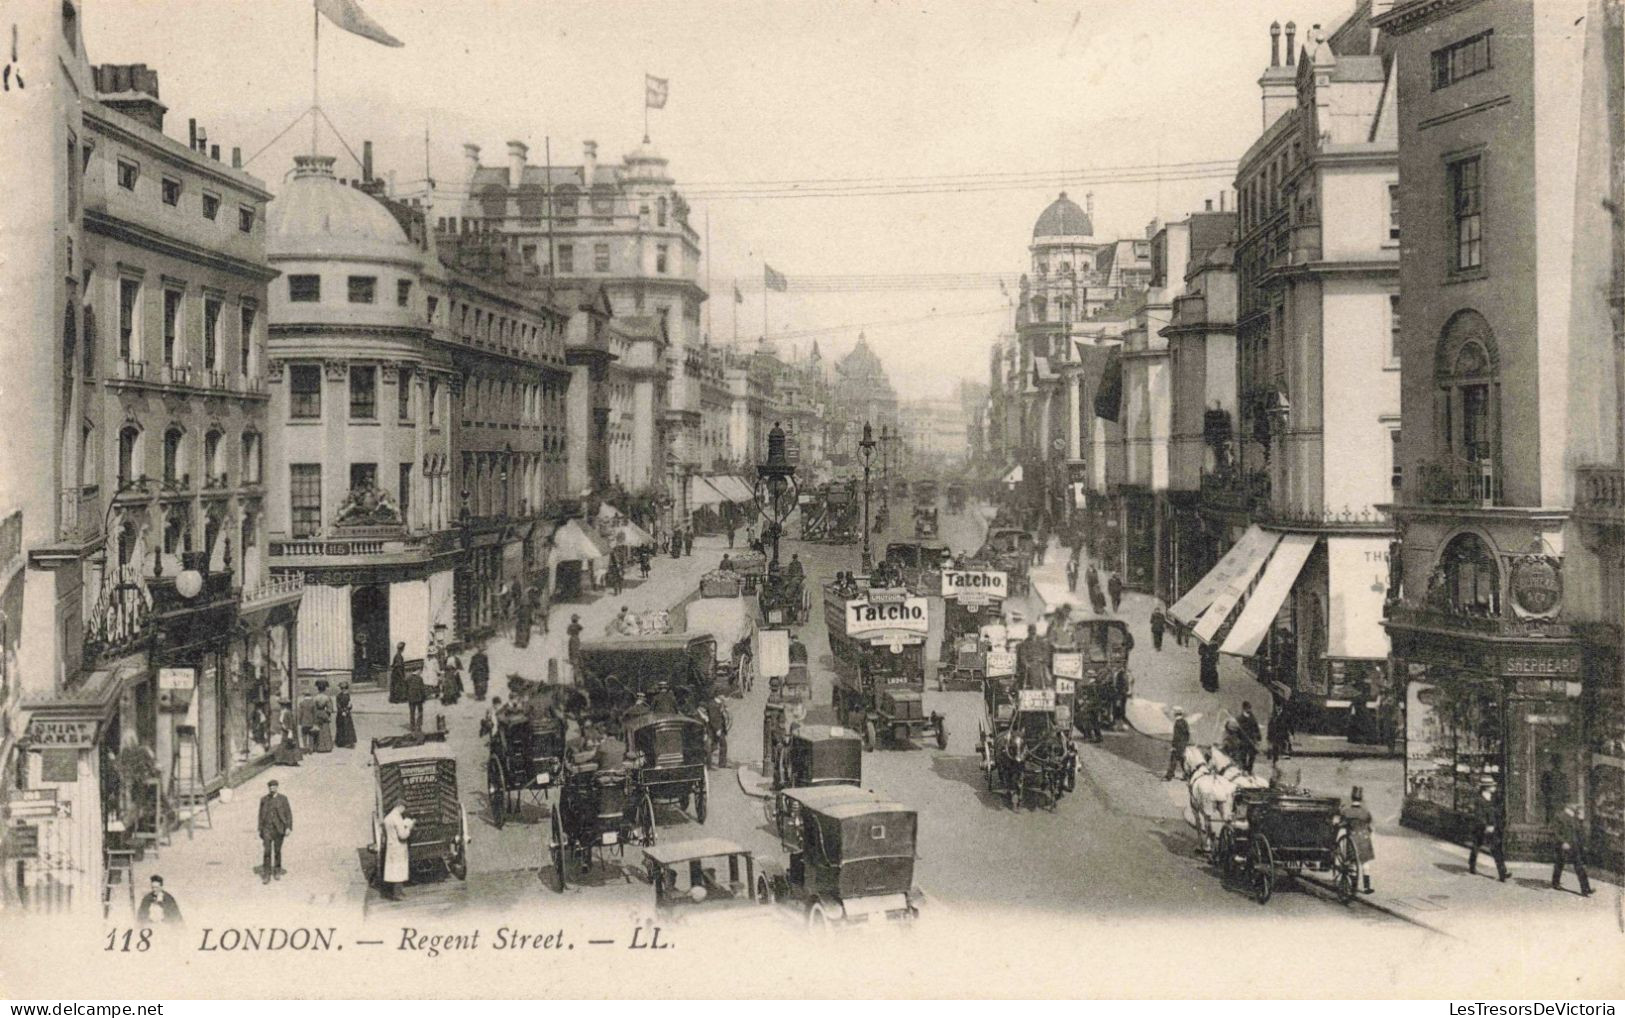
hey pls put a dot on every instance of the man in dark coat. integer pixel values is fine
(1159, 622)
(1487, 830)
(1570, 847)
(573, 645)
(1030, 660)
(664, 702)
(1208, 657)
(1176, 749)
(275, 823)
(688, 542)
(479, 673)
(1247, 724)
(795, 568)
(730, 534)
(412, 683)
(1114, 586)
(169, 910)
(1359, 822)
(797, 650)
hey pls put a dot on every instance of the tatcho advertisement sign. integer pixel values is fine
(975, 585)
(907, 615)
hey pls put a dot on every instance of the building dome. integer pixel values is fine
(1063, 218)
(315, 216)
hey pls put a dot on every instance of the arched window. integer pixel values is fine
(1472, 578)
(252, 464)
(174, 455)
(567, 203)
(1467, 399)
(214, 461)
(129, 455)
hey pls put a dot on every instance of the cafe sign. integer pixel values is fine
(1537, 586)
(45, 733)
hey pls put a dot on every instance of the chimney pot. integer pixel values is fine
(191, 132)
(517, 152)
(236, 157)
(1291, 51)
(366, 161)
(1275, 44)
(214, 152)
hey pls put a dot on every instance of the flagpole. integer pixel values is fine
(765, 288)
(707, 275)
(315, 79)
(646, 107)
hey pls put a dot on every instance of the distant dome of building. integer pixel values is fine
(1063, 218)
(315, 216)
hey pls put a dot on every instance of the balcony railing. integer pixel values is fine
(1456, 481)
(177, 374)
(219, 380)
(132, 370)
(1243, 493)
(1599, 490)
(275, 590)
(254, 383)
(81, 514)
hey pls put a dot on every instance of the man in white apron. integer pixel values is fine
(397, 850)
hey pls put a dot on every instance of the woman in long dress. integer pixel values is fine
(344, 735)
(451, 681)
(322, 714)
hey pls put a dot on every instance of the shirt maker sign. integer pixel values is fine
(46, 734)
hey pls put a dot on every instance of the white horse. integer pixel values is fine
(1231, 771)
(1210, 794)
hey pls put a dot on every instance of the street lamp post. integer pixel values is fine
(867, 449)
(776, 491)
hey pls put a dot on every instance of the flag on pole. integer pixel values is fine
(348, 15)
(739, 298)
(774, 280)
(655, 91)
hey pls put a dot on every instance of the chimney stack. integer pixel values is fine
(366, 162)
(1278, 84)
(1291, 52)
(132, 89)
(517, 151)
(589, 162)
(236, 157)
(1207, 206)
(214, 152)
(1275, 44)
(191, 133)
(203, 140)
(471, 160)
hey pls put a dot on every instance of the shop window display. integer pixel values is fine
(1454, 736)
(1607, 774)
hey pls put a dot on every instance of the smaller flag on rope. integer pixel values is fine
(348, 15)
(774, 280)
(655, 91)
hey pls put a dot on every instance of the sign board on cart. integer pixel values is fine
(907, 615)
(1035, 699)
(1066, 664)
(1000, 663)
(975, 586)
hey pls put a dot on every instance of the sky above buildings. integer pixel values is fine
(946, 101)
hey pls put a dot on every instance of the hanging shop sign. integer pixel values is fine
(1537, 586)
(67, 734)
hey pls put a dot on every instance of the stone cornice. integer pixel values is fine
(1408, 17)
(145, 237)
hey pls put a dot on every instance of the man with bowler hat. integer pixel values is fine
(276, 823)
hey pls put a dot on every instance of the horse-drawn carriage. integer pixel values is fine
(597, 812)
(812, 756)
(1010, 549)
(526, 758)
(971, 600)
(925, 493)
(751, 567)
(918, 564)
(832, 513)
(789, 692)
(1274, 833)
(667, 756)
(851, 859)
(785, 599)
(723, 614)
(1092, 655)
(1025, 744)
(419, 773)
(877, 637)
(615, 672)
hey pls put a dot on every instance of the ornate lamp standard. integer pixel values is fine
(866, 448)
(776, 491)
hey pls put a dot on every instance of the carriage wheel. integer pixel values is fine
(699, 806)
(942, 733)
(682, 802)
(818, 920)
(1263, 869)
(646, 819)
(1346, 868)
(557, 848)
(1224, 852)
(496, 790)
(869, 734)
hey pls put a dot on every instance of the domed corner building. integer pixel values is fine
(1080, 289)
(360, 429)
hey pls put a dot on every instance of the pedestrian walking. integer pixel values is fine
(616, 579)
(643, 561)
(397, 861)
(412, 683)
(157, 905)
(322, 712)
(288, 752)
(344, 719)
(1072, 575)
(688, 542)
(1487, 828)
(1570, 848)
(360, 671)
(307, 723)
(1247, 725)
(1114, 586)
(1120, 698)
(1275, 733)
(730, 534)
(1182, 740)
(573, 642)
(1159, 622)
(1358, 818)
(479, 673)
(1207, 657)
(275, 824)
(451, 682)
(521, 622)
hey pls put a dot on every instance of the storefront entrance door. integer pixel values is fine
(369, 625)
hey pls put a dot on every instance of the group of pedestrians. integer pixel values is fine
(440, 675)
(1100, 595)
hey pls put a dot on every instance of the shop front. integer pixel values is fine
(1491, 708)
(1139, 530)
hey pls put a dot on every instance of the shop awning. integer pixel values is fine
(632, 535)
(1236, 584)
(1270, 593)
(1014, 476)
(609, 512)
(736, 488)
(719, 488)
(1189, 608)
(573, 543)
(1357, 572)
